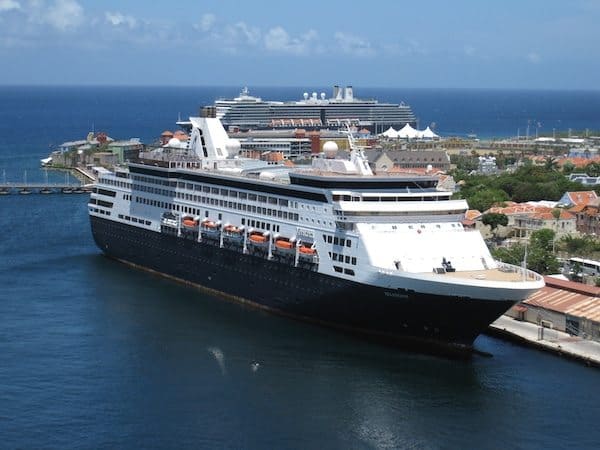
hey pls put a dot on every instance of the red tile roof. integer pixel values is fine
(519, 208)
(582, 197)
(547, 215)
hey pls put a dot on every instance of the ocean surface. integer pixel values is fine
(94, 354)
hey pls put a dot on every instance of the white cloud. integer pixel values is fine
(353, 45)
(118, 19)
(8, 5)
(242, 33)
(277, 39)
(534, 57)
(64, 14)
(207, 21)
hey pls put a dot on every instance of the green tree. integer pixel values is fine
(593, 169)
(542, 239)
(512, 255)
(550, 163)
(540, 257)
(494, 219)
(485, 198)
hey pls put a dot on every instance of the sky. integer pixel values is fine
(517, 44)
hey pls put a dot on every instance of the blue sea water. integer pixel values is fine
(94, 354)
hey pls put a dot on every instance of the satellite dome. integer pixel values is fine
(233, 146)
(330, 149)
(174, 142)
(305, 95)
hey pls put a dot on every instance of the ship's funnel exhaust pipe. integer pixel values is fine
(336, 92)
(348, 94)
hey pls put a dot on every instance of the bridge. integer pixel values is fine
(43, 188)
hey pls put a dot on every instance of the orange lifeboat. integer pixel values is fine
(257, 237)
(188, 222)
(232, 229)
(307, 250)
(209, 224)
(283, 244)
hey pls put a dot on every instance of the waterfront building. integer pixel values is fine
(565, 306)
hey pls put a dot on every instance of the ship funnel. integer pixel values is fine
(339, 93)
(208, 111)
(336, 92)
(348, 94)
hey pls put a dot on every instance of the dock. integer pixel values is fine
(532, 335)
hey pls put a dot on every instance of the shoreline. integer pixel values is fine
(556, 342)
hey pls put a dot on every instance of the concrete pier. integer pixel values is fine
(547, 339)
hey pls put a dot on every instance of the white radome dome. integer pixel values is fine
(174, 142)
(233, 146)
(330, 149)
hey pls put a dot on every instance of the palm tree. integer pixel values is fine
(550, 163)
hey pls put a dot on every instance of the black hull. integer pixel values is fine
(398, 316)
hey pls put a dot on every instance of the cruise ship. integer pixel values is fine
(331, 243)
(313, 112)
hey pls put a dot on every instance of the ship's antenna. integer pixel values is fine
(357, 155)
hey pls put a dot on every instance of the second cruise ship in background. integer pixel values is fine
(314, 111)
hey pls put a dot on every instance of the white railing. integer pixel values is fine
(526, 273)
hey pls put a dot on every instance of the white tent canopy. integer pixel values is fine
(408, 132)
(428, 134)
(390, 133)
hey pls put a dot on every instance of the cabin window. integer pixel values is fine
(243, 221)
(272, 200)
(349, 272)
(224, 192)
(338, 269)
(243, 195)
(353, 260)
(262, 198)
(283, 202)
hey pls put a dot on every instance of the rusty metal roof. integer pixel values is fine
(568, 297)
